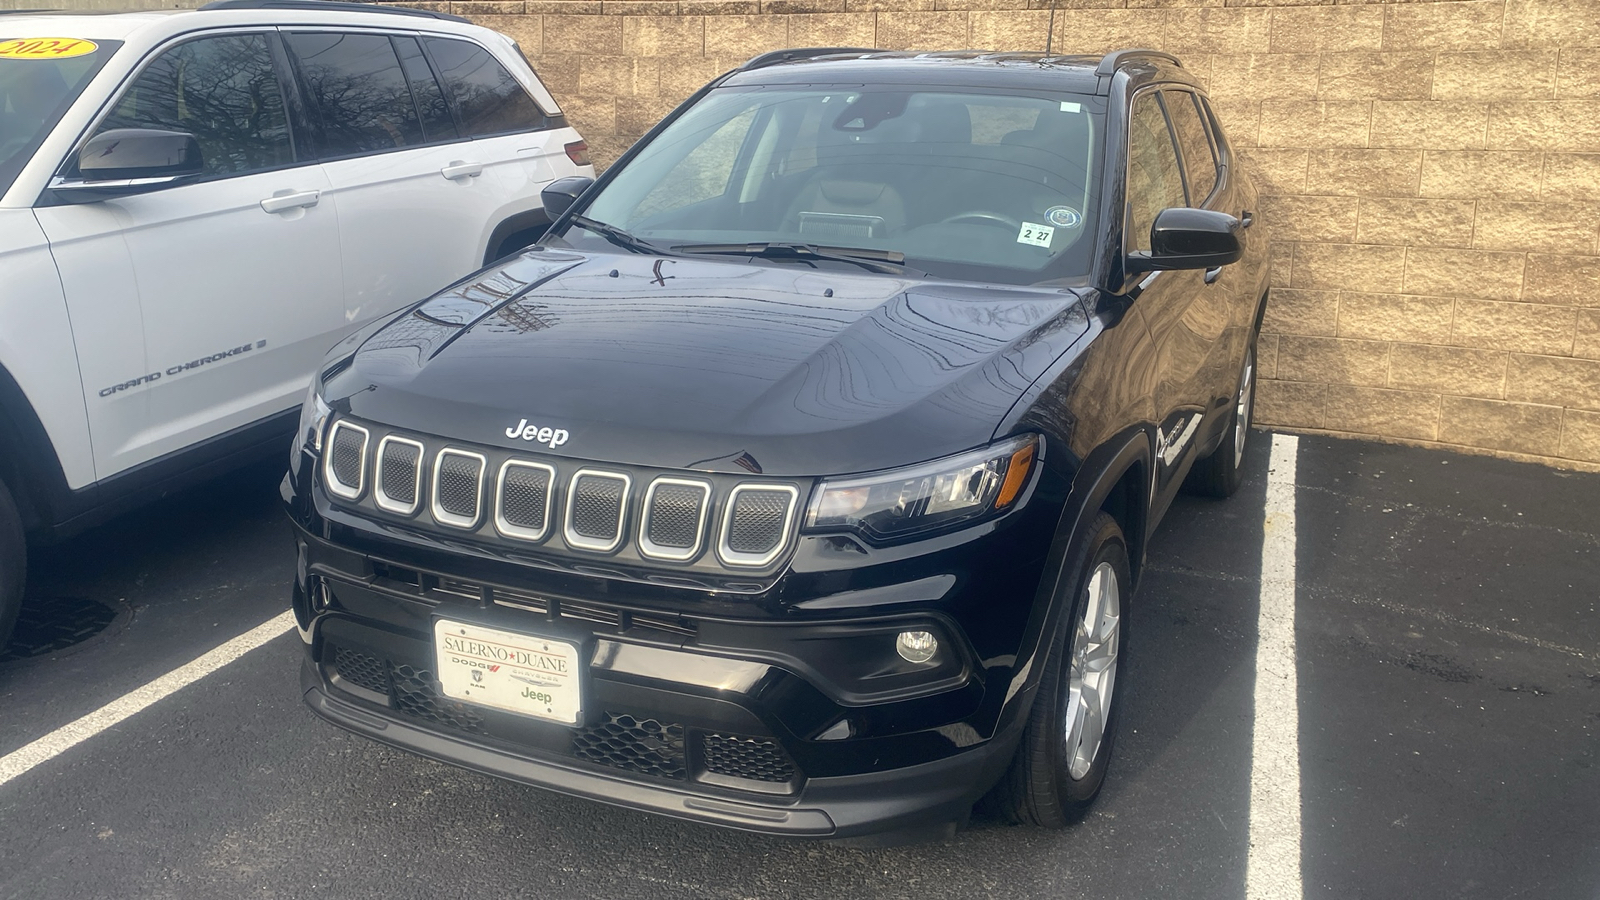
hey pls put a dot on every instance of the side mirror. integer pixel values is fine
(126, 161)
(559, 195)
(1184, 238)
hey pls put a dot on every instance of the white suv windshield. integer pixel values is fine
(35, 90)
(979, 185)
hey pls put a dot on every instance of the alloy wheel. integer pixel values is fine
(1093, 673)
(1241, 412)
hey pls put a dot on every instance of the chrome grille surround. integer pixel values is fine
(576, 495)
(502, 522)
(380, 492)
(332, 462)
(648, 520)
(754, 558)
(442, 469)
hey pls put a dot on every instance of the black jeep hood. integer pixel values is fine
(719, 365)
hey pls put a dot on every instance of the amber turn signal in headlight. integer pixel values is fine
(934, 496)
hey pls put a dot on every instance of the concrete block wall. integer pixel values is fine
(1431, 172)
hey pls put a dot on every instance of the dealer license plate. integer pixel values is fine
(519, 673)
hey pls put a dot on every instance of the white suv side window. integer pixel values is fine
(224, 90)
(357, 91)
(488, 99)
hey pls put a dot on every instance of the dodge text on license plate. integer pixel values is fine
(519, 673)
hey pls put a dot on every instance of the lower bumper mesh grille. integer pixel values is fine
(362, 670)
(415, 695)
(637, 744)
(757, 759)
(645, 746)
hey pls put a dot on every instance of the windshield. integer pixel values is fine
(36, 88)
(975, 185)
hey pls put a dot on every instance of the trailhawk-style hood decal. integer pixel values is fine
(709, 364)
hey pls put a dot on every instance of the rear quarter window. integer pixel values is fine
(489, 99)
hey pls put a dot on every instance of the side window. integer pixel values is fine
(1155, 181)
(224, 91)
(1190, 127)
(357, 91)
(437, 124)
(488, 98)
(1219, 139)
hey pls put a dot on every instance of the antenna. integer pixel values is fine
(1050, 30)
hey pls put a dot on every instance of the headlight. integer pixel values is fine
(901, 503)
(313, 416)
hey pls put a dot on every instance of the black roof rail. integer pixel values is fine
(793, 53)
(332, 6)
(1111, 61)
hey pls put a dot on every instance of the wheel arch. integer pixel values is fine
(28, 462)
(1114, 478)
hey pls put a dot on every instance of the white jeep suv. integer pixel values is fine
(195, 205)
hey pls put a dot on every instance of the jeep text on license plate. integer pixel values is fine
(519, 673)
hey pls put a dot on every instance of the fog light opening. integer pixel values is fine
(916, 646)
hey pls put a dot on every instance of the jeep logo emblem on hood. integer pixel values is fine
(550, 437)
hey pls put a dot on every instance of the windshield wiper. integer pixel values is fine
(891, 262)
(617, 236)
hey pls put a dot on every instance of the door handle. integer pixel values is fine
(459, 169)
(1213, 274)
(283, 202)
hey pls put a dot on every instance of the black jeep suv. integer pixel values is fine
(799, 479)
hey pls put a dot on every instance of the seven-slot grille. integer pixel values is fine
(595, 507)
(524, 498)
(399, 475)
(347, 459)
(457, 487)
(674, 523)
(756, 522)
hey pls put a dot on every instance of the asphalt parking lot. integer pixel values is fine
(1447, 652)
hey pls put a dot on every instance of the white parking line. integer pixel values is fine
(1273, 871)
(70, 735)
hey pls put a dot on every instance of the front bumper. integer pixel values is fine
(930, 797)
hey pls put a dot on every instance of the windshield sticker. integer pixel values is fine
(1063, 217)
(46, 48)
(1037, 235)
(1069, 106)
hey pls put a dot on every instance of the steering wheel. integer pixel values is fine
(999, 220)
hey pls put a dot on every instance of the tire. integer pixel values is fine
(13, 564)
(1054, 779)
(1220, 474)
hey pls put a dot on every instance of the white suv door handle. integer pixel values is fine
(459, 169)
(290, 201)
